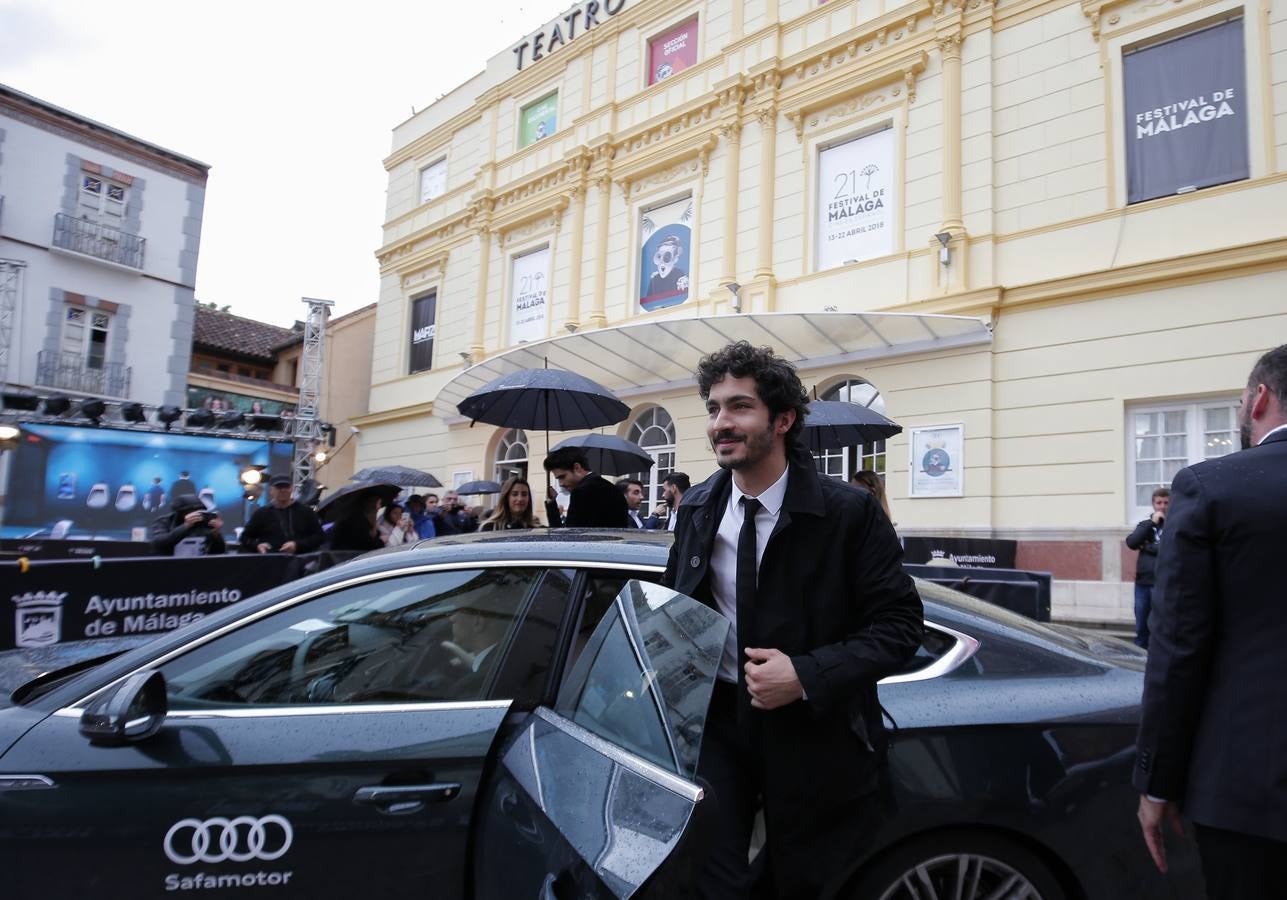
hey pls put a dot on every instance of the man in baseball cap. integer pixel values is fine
(284, 525)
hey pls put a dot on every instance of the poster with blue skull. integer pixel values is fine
(664, 259)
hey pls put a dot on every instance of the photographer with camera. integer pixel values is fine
(456, 514)
(189, 530)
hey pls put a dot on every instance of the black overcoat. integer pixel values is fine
(594, 503)
(833, 596)
(1213, 736)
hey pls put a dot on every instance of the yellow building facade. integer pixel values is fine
(1091, 190)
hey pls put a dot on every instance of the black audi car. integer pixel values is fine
(495, 716)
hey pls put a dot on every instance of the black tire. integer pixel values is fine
(991, 859)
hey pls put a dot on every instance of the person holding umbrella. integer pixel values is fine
(594, 502)
(284, 525)
(514, 510)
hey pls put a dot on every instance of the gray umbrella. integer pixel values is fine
(832, 424)
(334, 505)
(609, 454)
(399, 475)
(550, 399)
(479, 487)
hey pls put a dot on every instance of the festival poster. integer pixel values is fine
(538, 120)
(1186, 113)
(664, 257)
(937, 461)
(672, 52)
(529, 288)
(855, 194)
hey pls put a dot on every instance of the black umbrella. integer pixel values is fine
(399, 475)
(479, 487)
(832, 424)
(552, 399)
(335, 505)
(609, 454)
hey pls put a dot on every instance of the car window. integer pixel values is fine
(599, 592)
(933, 645)
(644, 679)
(524, 674)
(434, 636)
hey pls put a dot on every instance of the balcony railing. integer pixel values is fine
(98, 241)
(71, 372)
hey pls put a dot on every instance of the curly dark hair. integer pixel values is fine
(776, 381)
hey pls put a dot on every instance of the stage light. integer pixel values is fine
(265, 423)
(133, 412)
(93, 410)
(232, 419)
(320, 456)
(199, 418)
(8, 433)
(252, 475)
(168, 415)
(56, 405)
(24, 402)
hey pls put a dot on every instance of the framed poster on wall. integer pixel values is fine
(665, 237)
(538, 119)
(937, 464)
(528, 291)
(855, 200)
(672, 52)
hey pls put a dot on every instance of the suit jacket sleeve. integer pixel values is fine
(888, 618)
(308, 530)
(1182, 631)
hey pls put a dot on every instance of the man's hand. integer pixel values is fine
(1151, 814)
(263, 547)
(193, 518)
(771, 679)
(1156, 517)
(459, 654)
(289, 547)
(217, 523)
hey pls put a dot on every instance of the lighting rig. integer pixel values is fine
(58, 409)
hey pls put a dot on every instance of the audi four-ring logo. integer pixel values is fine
(228, 840)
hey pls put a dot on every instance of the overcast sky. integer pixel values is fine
(292, 104)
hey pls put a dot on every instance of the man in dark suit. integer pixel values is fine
(1212, 734)
(594, 502)
(633, 490)
(794, 723)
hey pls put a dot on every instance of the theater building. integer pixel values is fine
(1045, 237)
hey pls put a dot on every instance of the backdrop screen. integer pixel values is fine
(98, 482)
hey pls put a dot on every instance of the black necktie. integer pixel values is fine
(746, 578)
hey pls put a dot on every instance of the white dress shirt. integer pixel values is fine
(634, 518)
(724, 559)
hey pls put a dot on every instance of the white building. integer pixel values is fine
(99, 233)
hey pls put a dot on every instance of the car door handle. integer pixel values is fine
(405, 798)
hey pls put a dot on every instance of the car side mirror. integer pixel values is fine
(132, 711)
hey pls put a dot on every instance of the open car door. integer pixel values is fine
(591, 797)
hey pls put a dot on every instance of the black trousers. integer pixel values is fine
(1240, 866)
(732, 769)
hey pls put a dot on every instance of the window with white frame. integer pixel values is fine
(85, 334)
(433, 180)
(654, 430)
(843, 462)
(511, 455)
(1165, 438)
(101, 200)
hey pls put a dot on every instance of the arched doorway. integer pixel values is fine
(511, 455)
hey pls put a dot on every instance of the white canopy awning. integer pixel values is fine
(648, 357)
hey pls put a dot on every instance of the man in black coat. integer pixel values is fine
(810, 571)
(594, 501)
(1213, 737)
(284, 525)
(1145, 538)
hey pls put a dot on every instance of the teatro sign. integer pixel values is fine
(562, 31)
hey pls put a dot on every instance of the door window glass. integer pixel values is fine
(644, 679)
(436, 636)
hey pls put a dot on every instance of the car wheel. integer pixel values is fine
(961, 865)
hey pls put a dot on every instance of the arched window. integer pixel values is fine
(655, 432)
(845, 461)
(511, 455)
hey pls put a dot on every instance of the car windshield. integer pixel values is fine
(644, 679)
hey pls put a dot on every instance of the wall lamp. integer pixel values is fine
(466, 357)
(733, 288)
(944, 251)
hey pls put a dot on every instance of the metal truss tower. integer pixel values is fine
(308, 426)
(10, 276)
